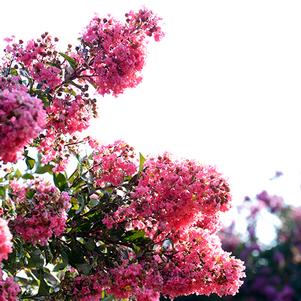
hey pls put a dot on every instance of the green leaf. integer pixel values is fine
(39, 86)
(84, 268)
(18, 174)
(60, 181)
(2, 191)
(81, 202)
(13, 72)
(72, 62)
(74, 175)
(28, 176)
(141, 162)
(108, 298)
(134, 235)
(30, 193)
(30, 162)
(36, 259)
(90, 244)
(93, 203)
(63, 263)
(76, 255)
(53, 64)
(50, 279)
(45, 168)
(43, 287)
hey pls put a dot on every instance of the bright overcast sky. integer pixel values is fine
(223, 87)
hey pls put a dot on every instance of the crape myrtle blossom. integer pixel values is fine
(5, 240)
(69, 114)
(195, 264)
(110, 57)
(125, 281)
(9, 290)
(41, 211)
(87, 288)
(115, 52)
(200, 266)
(172, 195)
(39, 58)
(22, 118)
(177, 204)
(114, 225)
(113, 162)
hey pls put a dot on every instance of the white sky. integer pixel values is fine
(223, 87)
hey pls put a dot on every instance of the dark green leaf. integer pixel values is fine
(44, 287)
(76, 255)
(36, 259)
(82, 202)
(60, 181)
(63, 263)
(84, 268)
(30, 193)
(90, 244)
(74, 175)
(72, 62)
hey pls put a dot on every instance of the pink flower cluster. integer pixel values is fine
(5, 240)
(134, 280)
(69, 114)
(40, 59)
(9, 290)
(195, 264)
(198, 265)
(123, 282)
(116, 51)
(173, 195)
(41, 215)
(10, 83)
(22, 118)
(177, 204)
(87, 288)
(112, 163)
(144, 20)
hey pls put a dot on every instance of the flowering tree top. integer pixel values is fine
(119, 226)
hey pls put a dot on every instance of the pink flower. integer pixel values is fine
(87, 288)
(113, 162)
(198, 265)
(174, 195)
(9, 290)
(5, 240)
(22, 118)
(40, 58)
(69, 114)
(43, 215)
(117, 51)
